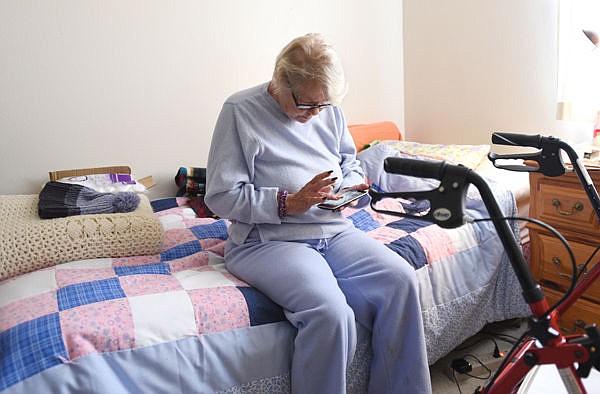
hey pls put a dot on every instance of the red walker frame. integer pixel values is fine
(543, 343)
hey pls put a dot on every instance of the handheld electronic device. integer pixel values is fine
(347, 198)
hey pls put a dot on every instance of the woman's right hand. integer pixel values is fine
(315, 191)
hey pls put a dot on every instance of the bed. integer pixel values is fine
(177, 321)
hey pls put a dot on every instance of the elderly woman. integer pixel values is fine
(278, 150)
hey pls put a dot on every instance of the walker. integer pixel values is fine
(542, 343)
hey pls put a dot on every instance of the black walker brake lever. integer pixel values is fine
(446, 201)
(546, 160)
(528, 161)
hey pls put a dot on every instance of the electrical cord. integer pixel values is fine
(501, 336)
(464, 367)
(509, 356)
(479, 340)
(488, 370)
(493, 376)
(456, 381)
(565, 243)
(575, 278)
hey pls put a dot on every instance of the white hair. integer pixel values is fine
(311, 58)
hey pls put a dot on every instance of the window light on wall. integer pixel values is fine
(578, 95)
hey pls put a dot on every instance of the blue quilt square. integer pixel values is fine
(216, 230)
(261, 309)
(163, 204)
(364, 221)
(180, 251)
(89, 292)
(411, 250)
(156, 269)
(30, 348)
(410, 225)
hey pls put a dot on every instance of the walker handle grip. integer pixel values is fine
(414, 167)
(517, 139)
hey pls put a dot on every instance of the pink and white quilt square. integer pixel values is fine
(219, 309)
(98, 327)
(136, 285)
(27, 309)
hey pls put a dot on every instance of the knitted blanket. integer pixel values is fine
(30, 243)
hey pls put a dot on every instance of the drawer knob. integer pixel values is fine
(578, 206)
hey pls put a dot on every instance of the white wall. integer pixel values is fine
(477, 66)
(104, 82)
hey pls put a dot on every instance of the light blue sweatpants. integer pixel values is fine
(323, 286)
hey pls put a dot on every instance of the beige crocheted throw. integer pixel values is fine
(28, 243)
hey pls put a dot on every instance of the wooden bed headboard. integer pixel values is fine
(364, 134)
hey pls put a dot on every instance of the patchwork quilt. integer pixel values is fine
(59, 315)
(56, 315)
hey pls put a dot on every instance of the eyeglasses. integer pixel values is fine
(309, 106)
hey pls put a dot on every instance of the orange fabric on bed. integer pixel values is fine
(364, 134)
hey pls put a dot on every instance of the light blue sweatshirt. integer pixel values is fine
(257, 151)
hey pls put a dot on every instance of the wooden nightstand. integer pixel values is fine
(562, 203)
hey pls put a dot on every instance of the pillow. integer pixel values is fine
(364, 134)
(468, 155)
(371, 161)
